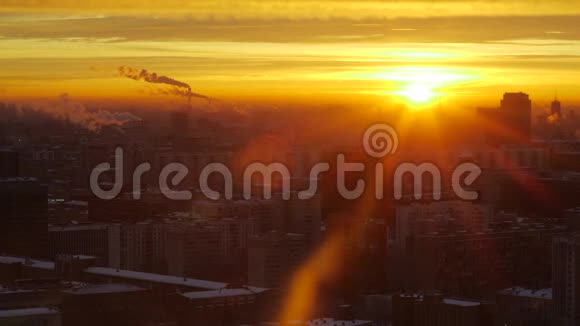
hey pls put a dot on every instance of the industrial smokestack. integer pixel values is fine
(179, 88)
(151, 77)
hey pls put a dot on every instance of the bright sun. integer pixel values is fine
(418, 93)
(420, 87)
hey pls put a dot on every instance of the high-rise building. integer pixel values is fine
(8, 163)
(23, 217)
(565, 285)
(79, 239)
(138, 247)
(511, 123)
(521, 307)
(364, 246)
(304, 217)
(234, 235)
(434, 309)
(420, 218)
(193, 250)
(516, 112)
(479, 263)
(273, 257)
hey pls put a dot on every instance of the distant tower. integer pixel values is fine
(556, 108)
(516, 112)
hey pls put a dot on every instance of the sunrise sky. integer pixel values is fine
(417, 51)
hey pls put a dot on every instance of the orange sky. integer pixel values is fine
(413, 51)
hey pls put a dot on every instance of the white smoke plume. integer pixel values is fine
(89, 118)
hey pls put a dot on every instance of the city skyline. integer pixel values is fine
(289, 162)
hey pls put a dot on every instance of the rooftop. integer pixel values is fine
(158, 278)
(335, 322)
(77, 227)
(27, 312)
(18, 179)
(221, 293)
(104, 288)
(321, 322)
(528, 293)
(41, 264)
(419, 297)
(77, 203)
(462, 303)
(4, 290)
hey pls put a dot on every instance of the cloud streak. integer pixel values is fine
(117, 30)
(226, 10)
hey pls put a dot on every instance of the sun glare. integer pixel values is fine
(418, 93)
(420, 87)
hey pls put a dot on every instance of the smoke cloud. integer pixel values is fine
(91, 119)
(179, 88)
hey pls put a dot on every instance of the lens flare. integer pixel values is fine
(419, 86)
(418, 93)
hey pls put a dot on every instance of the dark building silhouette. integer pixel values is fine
(23, 217)
(363, 246)
(556, 108)
(8, 163)
(231, 305)
(517, 306)
(126, 209)
(90, 295)
(511, 123)
(566, 288)
(533, 193)
(433, 309)
(477, 264)
(273, 257)
(106, 304)
(79, 239)
(516, 111)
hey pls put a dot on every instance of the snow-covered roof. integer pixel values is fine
(10, 313)
(462, 303)
(104, 288)
(222, 293)
(158, 278)
(77, 227)
(4, 290)
(323, 322)
(41, 264)
(18, 179)
(528, 293)
(449, 301)
(77, 203)
(335, 322)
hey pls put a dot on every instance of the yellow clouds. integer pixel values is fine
(298, 9)
(295, 47)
